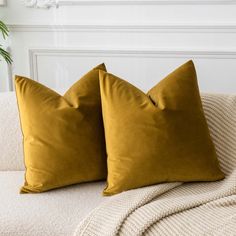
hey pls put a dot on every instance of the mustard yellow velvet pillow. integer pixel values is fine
(157, 137)
(63, 135)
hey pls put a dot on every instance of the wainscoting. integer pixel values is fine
(55, 42)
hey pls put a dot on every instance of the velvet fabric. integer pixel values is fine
(63, 135)
(161, 136)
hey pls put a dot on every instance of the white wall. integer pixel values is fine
(139, 40)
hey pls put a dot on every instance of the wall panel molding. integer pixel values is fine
(3, 3)
(59, 3)
(183, 28)
(144, 53)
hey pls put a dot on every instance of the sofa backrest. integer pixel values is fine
(11, 148)
(220, 111)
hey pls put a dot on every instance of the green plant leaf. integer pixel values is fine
(6, 55)
(3, 53)
(4, 30)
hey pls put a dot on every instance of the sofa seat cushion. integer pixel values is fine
(55, 212)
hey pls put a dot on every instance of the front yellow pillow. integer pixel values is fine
(158, 137)
(63, 135)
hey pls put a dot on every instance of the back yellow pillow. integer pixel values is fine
(157, 137)
(63, 135)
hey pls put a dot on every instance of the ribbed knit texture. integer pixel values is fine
(179, 208)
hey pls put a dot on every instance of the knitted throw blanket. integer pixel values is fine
(179, 208)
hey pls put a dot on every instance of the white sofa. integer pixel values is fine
(58, 212)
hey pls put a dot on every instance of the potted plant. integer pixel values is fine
(3, 53)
